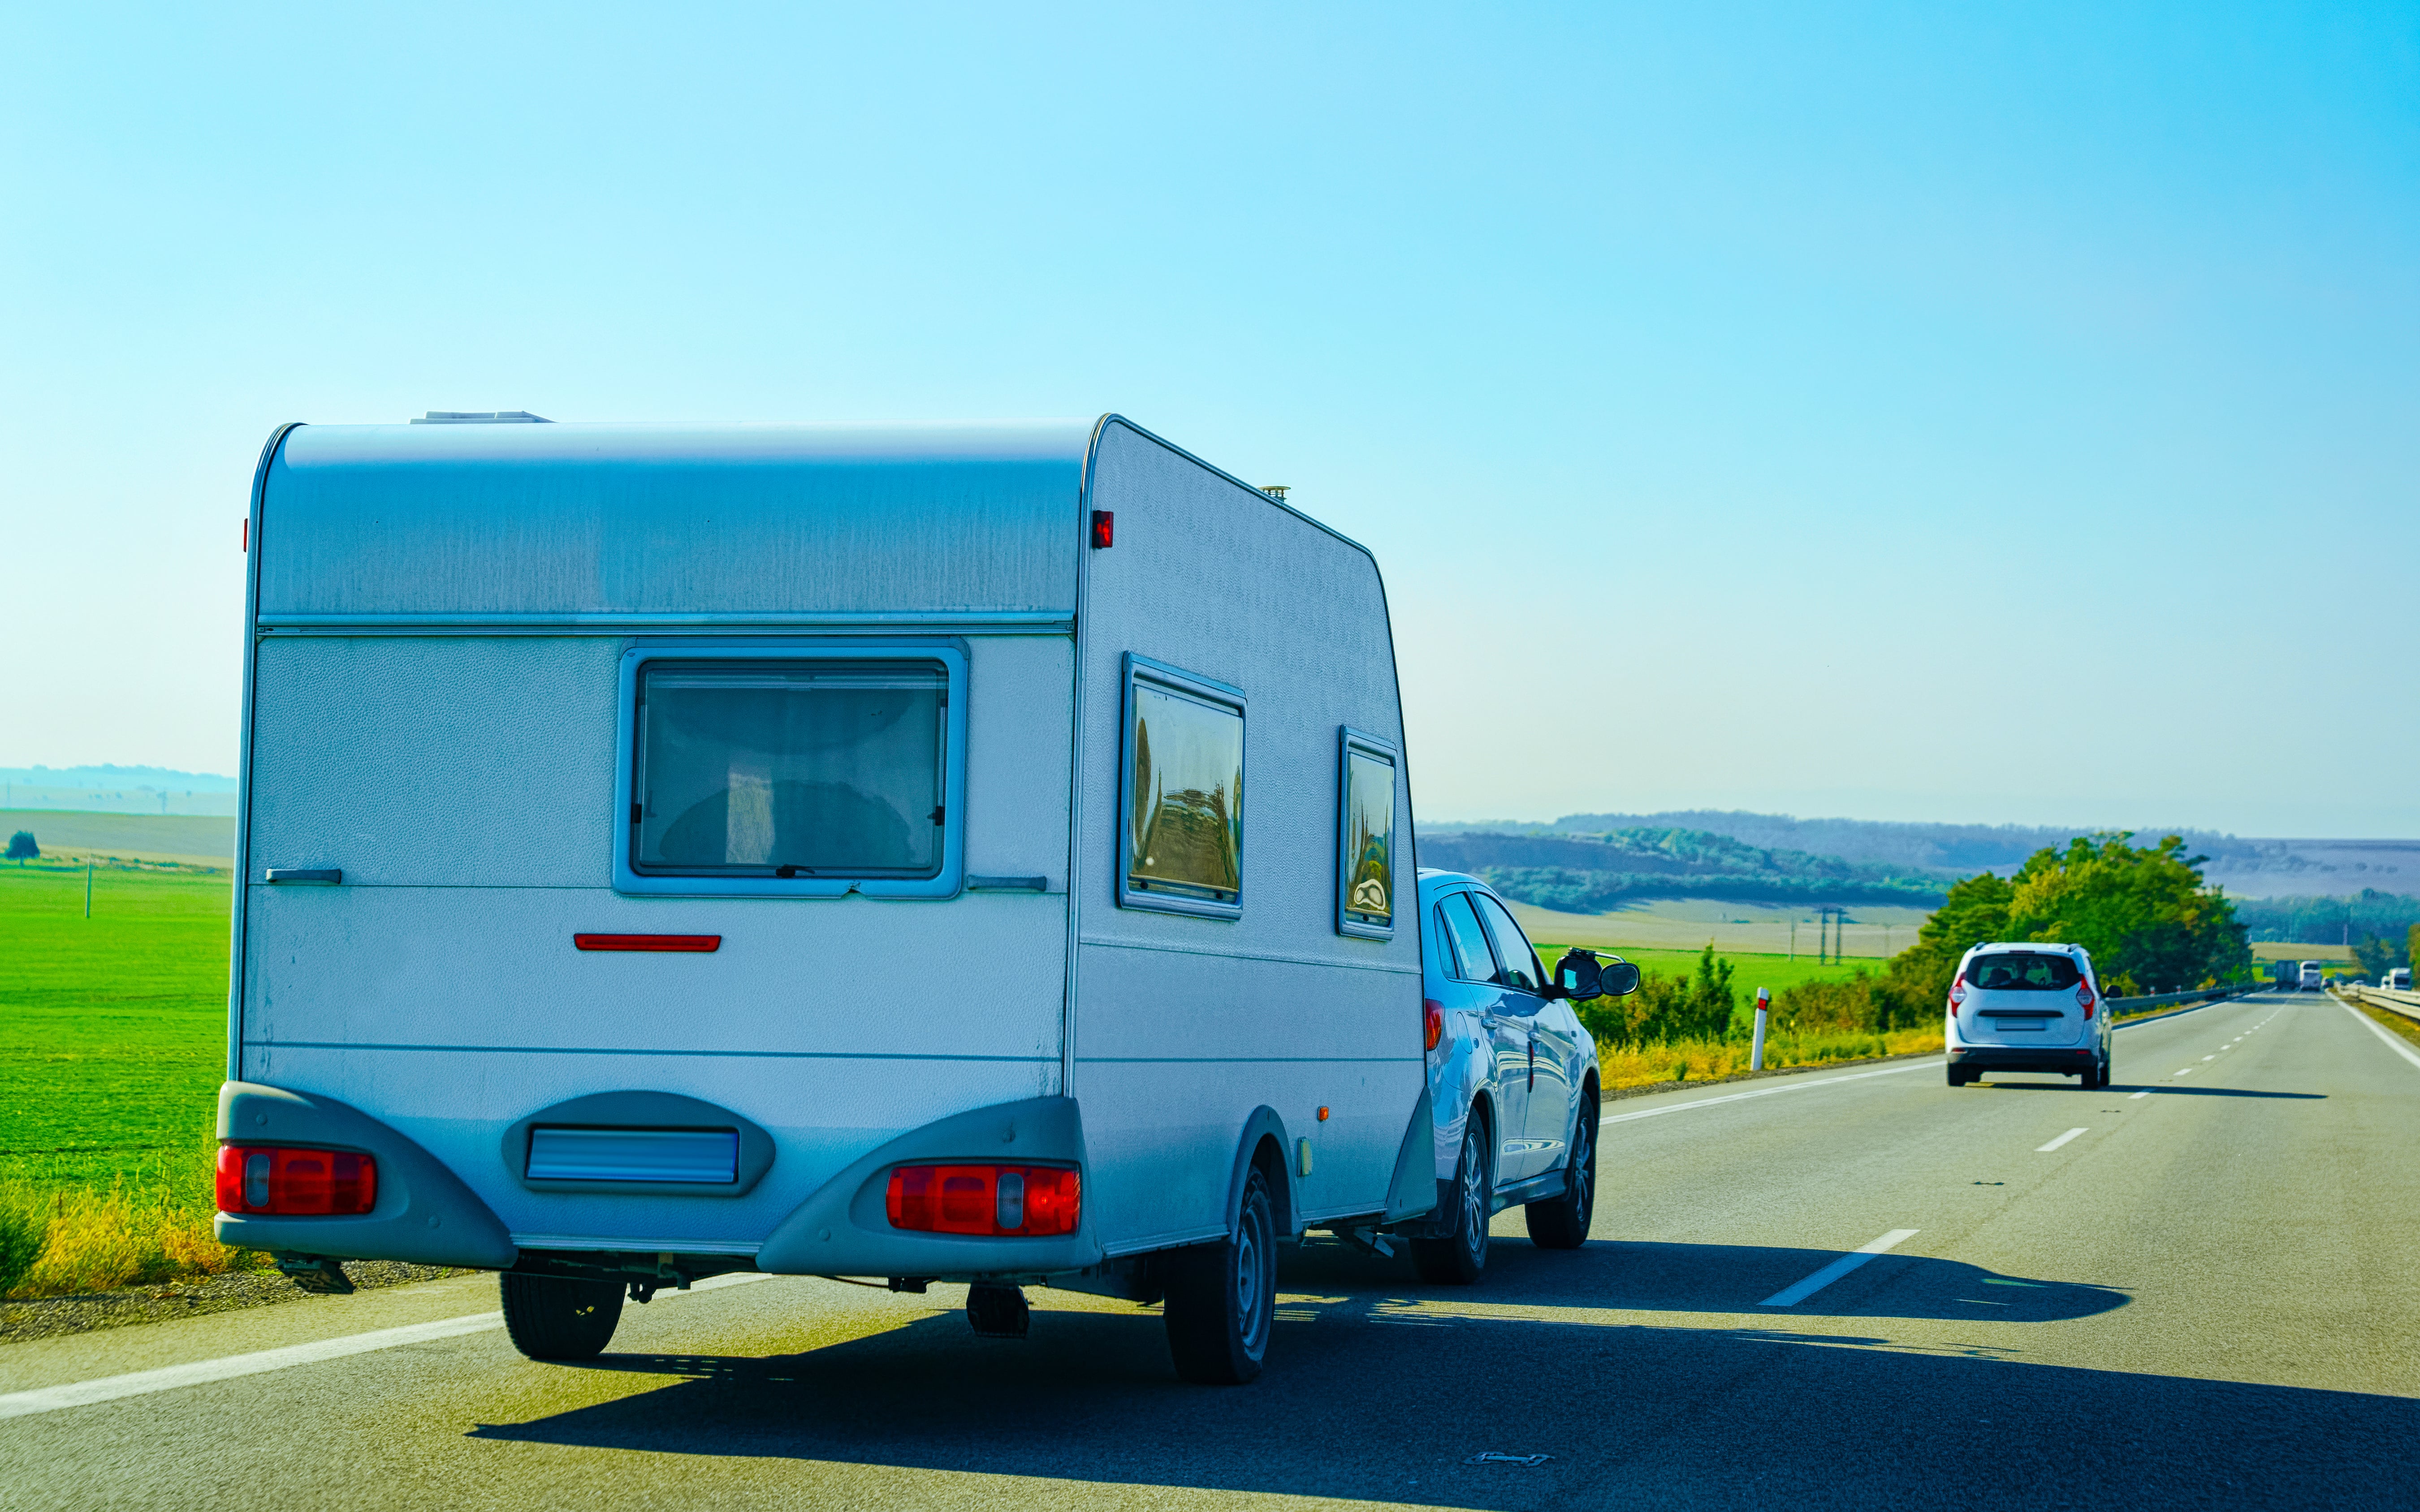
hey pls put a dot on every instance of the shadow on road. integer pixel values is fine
(1382, 1391)
(2179, 1090)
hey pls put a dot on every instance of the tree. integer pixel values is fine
(1916, 985)
(22, 847)
(2144, 914)
(2378, 957)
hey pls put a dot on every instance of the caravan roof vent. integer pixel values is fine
(481, 417)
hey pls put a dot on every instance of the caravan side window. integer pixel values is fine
(788, 770)
(1181, 844)
(1365, 841)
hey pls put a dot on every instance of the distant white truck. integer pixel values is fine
(2397, 980)
(2313, 977)
(678, 849)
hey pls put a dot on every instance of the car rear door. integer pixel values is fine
(2019, 998)
(1507, 1029)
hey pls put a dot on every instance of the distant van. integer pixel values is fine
(669, 850)
(2397, 980)
(2314, 976)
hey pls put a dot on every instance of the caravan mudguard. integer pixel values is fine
(844, 1228)
(423, 1214)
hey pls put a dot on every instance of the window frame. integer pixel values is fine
(1456, 967)
(1350, 741)
(949, 652)
(1537, 967)
(1139, 669)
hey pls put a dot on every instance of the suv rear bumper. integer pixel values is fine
(2059, 1060)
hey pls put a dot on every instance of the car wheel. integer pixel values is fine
(1455, 1260)
(1222, 1296)
(550, 1318)
(1563, 1223)
(1959, 1076)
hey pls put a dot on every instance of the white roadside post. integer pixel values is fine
(1755, 1056)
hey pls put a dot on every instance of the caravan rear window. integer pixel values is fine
(798, 774)
(1182, 845)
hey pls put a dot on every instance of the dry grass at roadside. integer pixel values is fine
(71, 1240)
(2395, 1023)
(1707, 1061)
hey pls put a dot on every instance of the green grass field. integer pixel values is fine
(1749, 971)
(116, 1024)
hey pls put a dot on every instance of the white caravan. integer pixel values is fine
(677, 849)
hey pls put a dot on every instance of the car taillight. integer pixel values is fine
(2083, 999)
(1957, 991)
(295, 1183)
(1019, 1201)
(1433, 1020)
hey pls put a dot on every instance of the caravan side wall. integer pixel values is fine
(1185, 1026)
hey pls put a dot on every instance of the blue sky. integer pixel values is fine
(1896, 412)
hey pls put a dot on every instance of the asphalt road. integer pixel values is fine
(2204, 1297)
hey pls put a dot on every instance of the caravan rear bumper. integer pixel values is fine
(425, 1214)
(844, 1228)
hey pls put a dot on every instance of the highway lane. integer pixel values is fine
(2204, 1297)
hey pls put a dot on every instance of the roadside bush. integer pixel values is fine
(24, 1219)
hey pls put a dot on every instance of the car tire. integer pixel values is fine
(551, 1318)
(1959, 1075)
(1222, 1296)
(1456, 1259)
(1563, 1222)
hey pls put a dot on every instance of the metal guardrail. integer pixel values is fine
(2407, 1004)
(2120, 1007)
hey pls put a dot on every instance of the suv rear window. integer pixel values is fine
(2022, 971)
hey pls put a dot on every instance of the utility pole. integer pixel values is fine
(87, 886)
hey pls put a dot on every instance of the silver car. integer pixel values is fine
(2027, 1007)
(1512, 1077)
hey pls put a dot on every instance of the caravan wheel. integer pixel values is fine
(1222, 1297)
(552, 1318)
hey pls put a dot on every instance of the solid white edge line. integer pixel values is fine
(1767, 1091)
(1793, 1296)
(226, 1368)
(2044, 1150)
(2392, 1043)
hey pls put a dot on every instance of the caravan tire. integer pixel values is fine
(553, 1319)
(1222, 1296)
(1456, 1259)
(1563, 1222)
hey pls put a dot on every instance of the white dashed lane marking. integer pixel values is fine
(2044, 1150)
(1793, 1296)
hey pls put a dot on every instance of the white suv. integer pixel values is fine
(2027, 1007)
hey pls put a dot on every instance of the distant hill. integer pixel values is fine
(2245, 867)
(109, 779)
(1592, 874)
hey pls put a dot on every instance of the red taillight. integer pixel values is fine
(1104, 530)
(1957, 991)
(2085, 1000)
(1019, 1201)
(295, 1183)
(1433, 1020)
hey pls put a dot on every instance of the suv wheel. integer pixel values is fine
(1563, 1223)
(1458, 1258)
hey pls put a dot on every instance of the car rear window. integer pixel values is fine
(2022, 971)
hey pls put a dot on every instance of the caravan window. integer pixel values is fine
(1183, 837)
(791, 773)
(1365, 896)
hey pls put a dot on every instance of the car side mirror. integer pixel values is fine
(1618, 978)
(1578, 975)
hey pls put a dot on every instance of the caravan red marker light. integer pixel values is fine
(681, 943)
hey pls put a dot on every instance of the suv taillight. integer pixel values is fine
(1433, 1020)
(2083, 997)
(1015, 1201)
(295, 1183)
(1957, 991)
